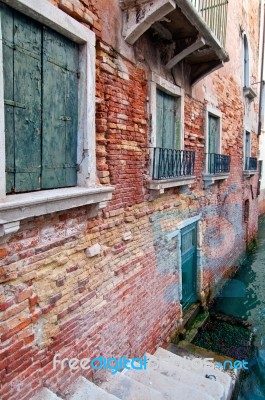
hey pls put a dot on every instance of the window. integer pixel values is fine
(170, 165)
(217, 165)
(41, 105)
(47, 114)
(247, 149)
(247, 89)
(213, 134)
(213, 128)
(250, 163)
(246, 62)
(168, 123)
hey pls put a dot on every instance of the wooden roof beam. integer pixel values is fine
(183, 54)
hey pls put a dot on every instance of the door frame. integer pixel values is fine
(190, 255)
(176, 235)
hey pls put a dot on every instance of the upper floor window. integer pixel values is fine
(250, 163)
(246, 62)
(41, 70)
(216, 162)
(47, 114)
(168, 122)
(171, 165)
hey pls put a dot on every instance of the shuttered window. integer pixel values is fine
(167, 121)
(213, 134)
(41, 105)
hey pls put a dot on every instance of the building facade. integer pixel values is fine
(129, 150)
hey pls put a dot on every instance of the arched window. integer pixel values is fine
(246, 62)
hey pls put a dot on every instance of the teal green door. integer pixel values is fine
(189, 265)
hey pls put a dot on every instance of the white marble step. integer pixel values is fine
(222, 377)
(45, 394)
(125, 388)
(86, 390)
(200, 383)
(171, 388)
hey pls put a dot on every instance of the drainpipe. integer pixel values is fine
(261, 106)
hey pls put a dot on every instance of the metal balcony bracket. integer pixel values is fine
(138, 20)
(183, 54)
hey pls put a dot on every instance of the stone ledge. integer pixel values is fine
(161, 185)
(210, 179)
(16, 207)
(248, 173)
(249, 93)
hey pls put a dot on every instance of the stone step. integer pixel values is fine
(126, 388)
(222, 377)
(86, 390)
(200, 383)
(45, 394)
(171, 388)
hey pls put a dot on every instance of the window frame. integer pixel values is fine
(16, 207)
(247, 132)
(157, 82)
(215, 112)
(246, 62)
(47, 14)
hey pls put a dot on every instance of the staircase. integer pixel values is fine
(167, 377)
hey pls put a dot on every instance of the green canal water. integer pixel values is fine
(244, 296)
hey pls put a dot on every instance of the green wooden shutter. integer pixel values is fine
(22, 94)
(8, 66)
(159, 118)
(213, 132)
(169, 138)
(60, 111)
(166, 123)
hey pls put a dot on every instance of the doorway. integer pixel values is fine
(189, 265)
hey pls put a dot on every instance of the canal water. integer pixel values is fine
(244, 296)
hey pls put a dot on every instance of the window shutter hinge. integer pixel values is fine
(78, 74)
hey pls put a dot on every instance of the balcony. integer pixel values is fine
(195, 29)
(218, 164)
(171, 168)
(251, 166)
(218, 168)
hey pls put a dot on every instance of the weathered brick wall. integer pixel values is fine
(83, 287)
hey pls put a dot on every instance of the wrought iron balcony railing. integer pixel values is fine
(170, 163)
(214, 13)
(251, 164)
(218, 163)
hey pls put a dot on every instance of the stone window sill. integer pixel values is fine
(161, 185)
(16, 207)
(248, 174)
(210, 179)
